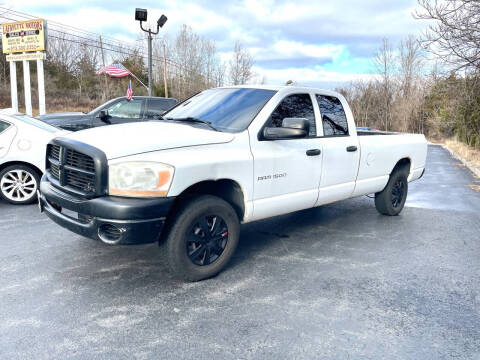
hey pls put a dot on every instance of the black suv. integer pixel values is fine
(116, 111)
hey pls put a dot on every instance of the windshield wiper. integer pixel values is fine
(194, 120)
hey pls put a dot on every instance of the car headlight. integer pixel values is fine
(140, 179)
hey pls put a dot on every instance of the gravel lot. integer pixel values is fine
(337, 282)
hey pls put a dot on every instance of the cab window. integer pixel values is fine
(126, 109)
(3, 126)
(294, 106)
(334, 119)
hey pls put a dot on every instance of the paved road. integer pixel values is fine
(338, 282)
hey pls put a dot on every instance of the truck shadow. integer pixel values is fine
(298, 231)
(129, 268)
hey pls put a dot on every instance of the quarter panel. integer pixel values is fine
(380, 154)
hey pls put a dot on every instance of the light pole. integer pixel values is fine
(141, 15)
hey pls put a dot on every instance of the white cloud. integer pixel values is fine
(289, 39)
(308, 76)
(292, 49)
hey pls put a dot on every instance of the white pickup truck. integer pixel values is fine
(223, 157)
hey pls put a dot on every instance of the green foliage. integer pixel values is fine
(452, 107)
(468, 117)
(58, 74)
(136, 65)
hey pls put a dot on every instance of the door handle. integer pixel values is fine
(313, 152)
(351, 148)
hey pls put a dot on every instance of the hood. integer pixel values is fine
(134, 138)
(59, 115)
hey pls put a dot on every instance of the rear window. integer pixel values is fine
(334, 119)
(37, 123)
(3, 126)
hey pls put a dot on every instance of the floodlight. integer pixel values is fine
(163, 19)
(140, 14)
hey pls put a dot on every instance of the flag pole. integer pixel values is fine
(145, 86)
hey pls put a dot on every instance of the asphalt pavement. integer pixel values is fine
(336, 282)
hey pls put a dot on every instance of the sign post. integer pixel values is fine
(25, 41)
(41, 85)
(13, 85)
(26, 87)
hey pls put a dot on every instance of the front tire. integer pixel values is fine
(19, 184)
(202, 238)
(392, 199)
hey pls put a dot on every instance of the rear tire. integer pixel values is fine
(202, 238)
(392, 199)
(19, 184)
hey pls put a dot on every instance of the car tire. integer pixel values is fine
(19, 184)
(391, 200)
(201, 239)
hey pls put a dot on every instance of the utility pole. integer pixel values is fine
(141, 15)
(149, 62)
(165, 71)
(104, 74)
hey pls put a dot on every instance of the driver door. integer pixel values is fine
(287, 172)
(123, 111)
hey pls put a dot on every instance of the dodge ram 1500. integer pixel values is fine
(222, 157)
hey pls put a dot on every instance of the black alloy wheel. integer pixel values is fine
(200, 237)
(398, 191)
(391, 200)
(207, 239)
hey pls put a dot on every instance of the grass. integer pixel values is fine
(56, 104)
(472, 155)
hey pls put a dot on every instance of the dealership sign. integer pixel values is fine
(23, 36)
(25, 41)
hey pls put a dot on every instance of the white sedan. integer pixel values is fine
(23, 142)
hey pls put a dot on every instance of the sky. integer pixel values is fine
(315, 43)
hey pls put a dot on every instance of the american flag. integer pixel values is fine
(129, 91)
(115, 70)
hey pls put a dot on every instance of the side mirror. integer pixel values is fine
(292, 128)
(103, 115)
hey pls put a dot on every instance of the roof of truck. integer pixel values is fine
(288, 88)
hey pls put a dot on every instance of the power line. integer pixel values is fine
(56, 23)
(118, 45)
(120, 48)
(114, 45)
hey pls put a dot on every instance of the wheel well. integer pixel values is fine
(227, 189)
(402, 165)
(3, 166)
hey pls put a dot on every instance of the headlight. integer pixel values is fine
(140, 179)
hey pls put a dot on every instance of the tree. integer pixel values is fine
(455, 35)
(410, 63)
(240, 65)
(385, 66)
(84, 70)
(195, 64)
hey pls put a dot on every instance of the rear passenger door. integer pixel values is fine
(341, 152)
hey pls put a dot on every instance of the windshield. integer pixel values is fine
(97, 109)
(37, 123)
(226, 109)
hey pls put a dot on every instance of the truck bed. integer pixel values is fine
(366, 133)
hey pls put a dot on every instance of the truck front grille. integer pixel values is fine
(72, 170)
